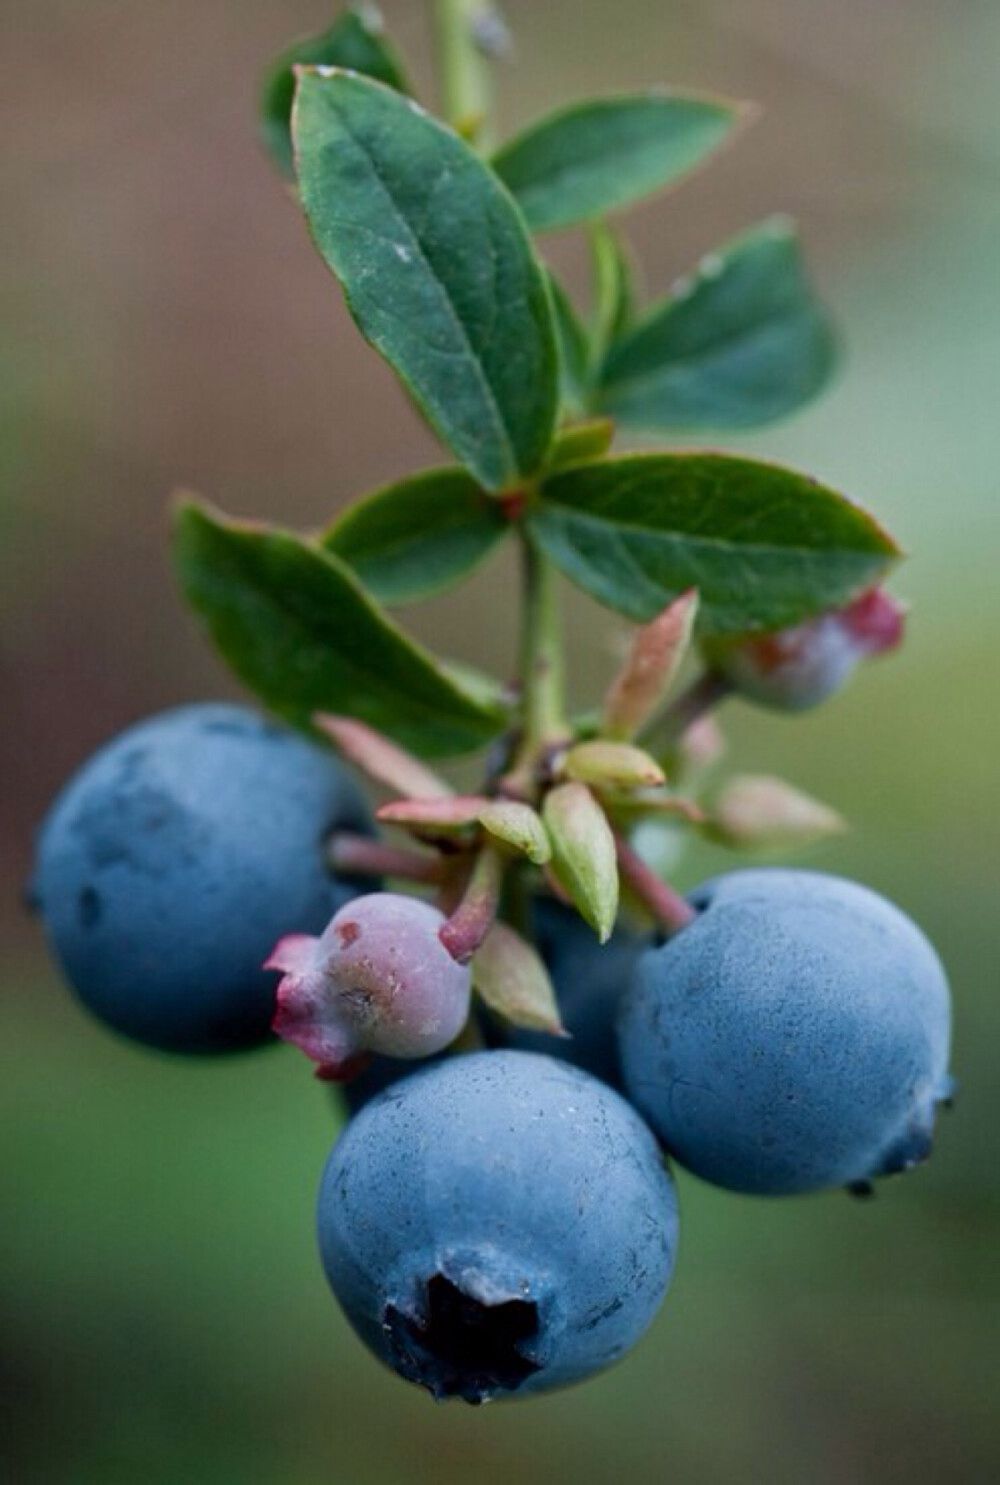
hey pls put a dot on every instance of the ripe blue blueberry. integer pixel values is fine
(795, 1036)
(378, 980)
(175, 858)
(795, 669)
(497, 1223)
(589, 980)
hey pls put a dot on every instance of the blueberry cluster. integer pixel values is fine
(500, 1222)
(519, 1056)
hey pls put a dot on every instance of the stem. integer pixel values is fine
(359, 855)
(543, 721)
(466, 84)
(668, 907)
(475, 915)
(701, 697)
(542, 670)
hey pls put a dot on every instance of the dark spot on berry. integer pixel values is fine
(459, 1346)
(361, 1004)
(89, 908)
(861, 1190)
(348, 933)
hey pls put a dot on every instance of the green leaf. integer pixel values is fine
(654, 661)
(584, 858)
(604, 763)
(510, 976)
(591, 158)
(517, 826)
(743, 341)
(578, 441)
(420, 536)
(575, 354)
(614, 289)
(356, 41)
(297, 627)
(765, 547)
(437, 268)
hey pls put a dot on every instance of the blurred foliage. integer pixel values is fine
(162, 1310)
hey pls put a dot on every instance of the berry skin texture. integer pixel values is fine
(793, 670)
(589, 981)
(175, 858)
(794, 1037)
(378, 980)
(498, 1223)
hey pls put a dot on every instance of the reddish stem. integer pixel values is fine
(668, 907)
(476, 913)
(359, 855)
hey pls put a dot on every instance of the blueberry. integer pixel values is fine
(589, 981)
(795, 669)
(497, 1223)
(378, 980)
(175, 858)
(795, 1036)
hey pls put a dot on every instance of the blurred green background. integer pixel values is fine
(162, 1314)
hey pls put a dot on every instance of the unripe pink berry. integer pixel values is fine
(794, 669)
(378, 980)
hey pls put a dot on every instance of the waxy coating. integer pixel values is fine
(497, 1223)
(795, 669)
(378, 980)
(173, 861)
(589, 979)
(794, 1037)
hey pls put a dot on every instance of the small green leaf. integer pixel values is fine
(420, 536)
(580, 441)
(437, 267)
(614, 289)
(591, 158)
(297, 627)
(741, 342)
(612, 765)
(380, 759)
(575, 355)
(444, 814)
(584, 857)
(356, 41)
(765, 547)
(657, 652)
(517, 826)
(511, 977)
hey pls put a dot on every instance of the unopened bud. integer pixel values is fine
(757, 811)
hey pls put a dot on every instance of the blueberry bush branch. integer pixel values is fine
(775, 1031)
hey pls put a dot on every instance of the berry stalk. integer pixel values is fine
(668, 907)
